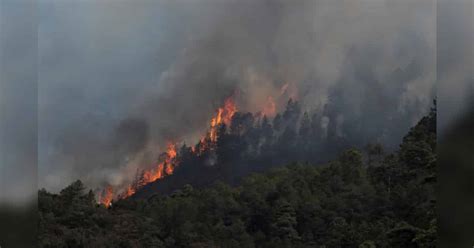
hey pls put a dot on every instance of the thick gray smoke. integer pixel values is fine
(119, 79)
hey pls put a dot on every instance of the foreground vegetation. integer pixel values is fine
(361, 199)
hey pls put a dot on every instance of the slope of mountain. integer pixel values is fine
(360, 199)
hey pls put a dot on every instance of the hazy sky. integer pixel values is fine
(18, 101)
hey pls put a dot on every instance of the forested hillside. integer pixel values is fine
(251, 142)
(364, 198)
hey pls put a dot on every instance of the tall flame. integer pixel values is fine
(106, 196)
(224, 115)
(171, 155)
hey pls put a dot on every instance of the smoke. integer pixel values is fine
(116, 82)
(455, 62)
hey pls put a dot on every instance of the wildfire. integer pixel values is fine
(129, 192)
(168, 160)
(171, 155)
(171, 151)
(223, 115)
(164, 167)
(106, 196)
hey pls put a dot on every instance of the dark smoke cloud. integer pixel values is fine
(119, 79)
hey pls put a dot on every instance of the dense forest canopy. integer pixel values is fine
(363, 198)
(249, 143)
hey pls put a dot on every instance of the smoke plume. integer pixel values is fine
(121, 79)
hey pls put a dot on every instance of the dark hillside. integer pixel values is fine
(252, 143)
(360, 199)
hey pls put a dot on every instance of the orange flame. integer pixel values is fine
(163, 168)
(168, 161)
(230, 109)
(224, 115)
(106, 196)
(129, 192)
(171, 155)
(171, 151)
